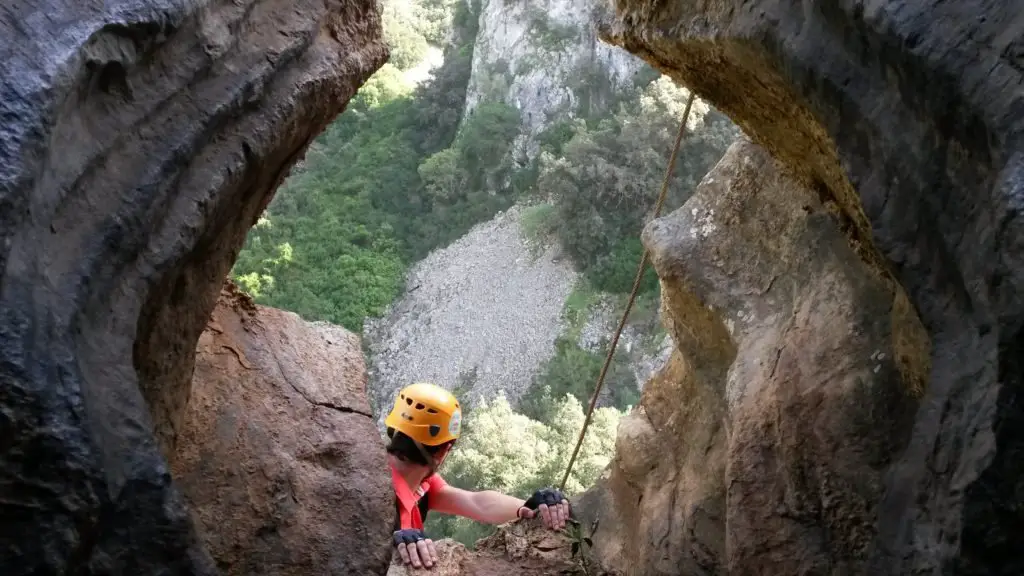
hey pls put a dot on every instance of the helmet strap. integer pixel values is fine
(426, 455)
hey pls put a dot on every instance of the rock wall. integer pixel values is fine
(905, 117)
(141, 139)
(793, 386)
(278, 456)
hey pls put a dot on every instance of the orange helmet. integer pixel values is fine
(426, 413)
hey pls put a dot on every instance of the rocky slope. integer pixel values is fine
(141, 140)
(647, 347)
(904, 118)
(278, 457)
(480, 316)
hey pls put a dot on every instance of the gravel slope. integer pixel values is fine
(483, 305)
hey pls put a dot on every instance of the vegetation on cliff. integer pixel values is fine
(391, 179)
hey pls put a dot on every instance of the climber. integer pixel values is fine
(422, 428)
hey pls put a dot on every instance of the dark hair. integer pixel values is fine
(404, 448)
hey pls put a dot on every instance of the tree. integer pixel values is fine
(442, 175)
(605, 178)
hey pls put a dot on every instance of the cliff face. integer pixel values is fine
(141, 140)
(278, 457)
(906, 119)
(762, 447)
(544, 58)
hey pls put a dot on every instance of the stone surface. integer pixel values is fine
(140, 140)
(907, 117)
(544, 58)
(479, 317)
(522, 548)
(763, 447)
(278, 456)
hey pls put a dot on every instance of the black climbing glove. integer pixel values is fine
(409, 536)
(549, 496)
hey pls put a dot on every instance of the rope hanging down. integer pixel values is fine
(632, 295)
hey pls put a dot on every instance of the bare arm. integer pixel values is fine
(488, 506)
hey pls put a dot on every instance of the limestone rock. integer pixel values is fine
(906, 118)
(140, 140)
(278, 456)
(762, 447)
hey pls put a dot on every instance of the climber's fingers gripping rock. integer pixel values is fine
(552, 506)
(415, 548)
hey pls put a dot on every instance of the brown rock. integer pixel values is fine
(521, 549)
(906, 117)
(278, 456)
(139, 141)
(762, 447)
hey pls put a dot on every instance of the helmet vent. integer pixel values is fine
(435, 429)
(431, 411)
(420, 406)
(408, 401)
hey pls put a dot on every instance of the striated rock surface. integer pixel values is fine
(907, 118)
(278, 456)
(479, 316)
(141, 139)
(522, 548)
(764, 446)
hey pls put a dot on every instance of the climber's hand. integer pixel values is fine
(550, 504)
(415, 548)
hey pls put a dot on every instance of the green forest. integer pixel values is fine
(401, 173)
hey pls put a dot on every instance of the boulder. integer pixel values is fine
(140, 140)
(762, 447)
(278, 456)
(907, 118)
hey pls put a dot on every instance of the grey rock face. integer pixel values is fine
(543, 57)
(906, 117)
(140, 140)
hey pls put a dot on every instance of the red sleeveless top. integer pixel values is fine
(413, 505)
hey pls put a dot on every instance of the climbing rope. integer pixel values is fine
(632, 296)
